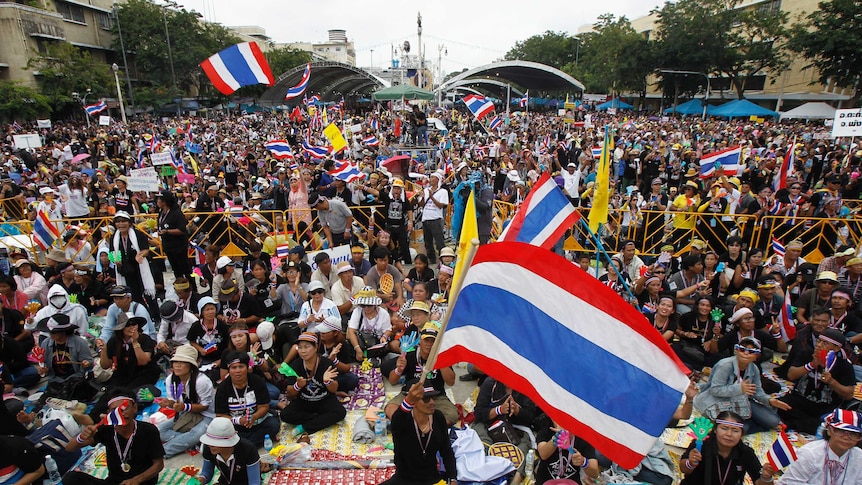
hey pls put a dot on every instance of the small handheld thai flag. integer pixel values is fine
(727, 160)
(346, 171)
(115, 417)
(45, 232)
(597, 152)
(200, 254)
(524, 101)
(374, 124)
(782, 453)
(280, 149)
(300, 87)
(239, 65)
(478, 105)
(92, 109)
(777, 248)
(371, 141)
(785, 317)
(282, 251)
(311, 101)
(495, 123)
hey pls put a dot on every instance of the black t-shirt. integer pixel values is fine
(247, 306)
(174, 219)
(146, 446)
(19, 452)
(395, 210)
(671, 323)
(127, 362)
(214, 342)
(235, 472)
(123, 200)
(411, 464)
(315, 390)
(95, 290)
(741, 460)
(241, 402)
(12, 323)
(551, 468)
(690, 323)
(819, 393)
(413, 370)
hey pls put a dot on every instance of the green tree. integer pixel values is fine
(614, 57)
(64, 69)
(551, 48)
(285, 58)
(831, 39)
(21, 103)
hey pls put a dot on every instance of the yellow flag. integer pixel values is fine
(325, 116)
(469, 231)
(599, 210)
(333, 134)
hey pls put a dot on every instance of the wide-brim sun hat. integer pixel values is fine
(186, 353)
(220, 433)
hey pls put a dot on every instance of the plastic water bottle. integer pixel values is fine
(528, 466)
(54, 477)
(267, 443)
(145, 417)
(380, 429)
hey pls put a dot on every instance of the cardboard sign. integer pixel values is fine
(336, 255)
(30, 140)
(612, 111)
(163, 158)
(143, 180)
(43, 123)
(185, 178)
(847, 122)
(104, 120)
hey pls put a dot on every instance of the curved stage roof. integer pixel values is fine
(523, 74)
(329, 79)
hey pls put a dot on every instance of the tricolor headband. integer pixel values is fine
(238, 332)
(829, 340)
(118, 399)
(729, 423)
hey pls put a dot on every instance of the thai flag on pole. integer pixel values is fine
(200, 254)
(727, 160)
(785, 317)
(478, 105)
(92, 109)
(780, 181)
(282, 251)
(313, 151)
(374, 124)
(777, 248)
(597, 152)
(541, 302)
(141, 158)
(346, 171)
(544, 215)
(154, 144)
(523, 102)
(495, 123)
(311, 101)
(45, 232)
(448, 167)
(782, 453)
(371, 141)
(280, 149)
(237, 66)
(303, 83)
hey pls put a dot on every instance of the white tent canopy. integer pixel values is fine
(810, 111)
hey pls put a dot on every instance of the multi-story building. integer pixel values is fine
(28, 27)
(777, 91)
(338, 48)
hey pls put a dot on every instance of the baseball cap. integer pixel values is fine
(265, 330)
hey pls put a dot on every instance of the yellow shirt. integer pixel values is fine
(681, 220)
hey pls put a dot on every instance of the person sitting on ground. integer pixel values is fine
(90, 292)
(33, 284)
(313, 404)
(369, 326)
(190, 394)
(122, 297)
(411, 365)
(242, 398)
(381, 267)
(360, 265)
(236, 458)
(59, 302)
(498, 403)
(419, 273)
(21, 463)
(420, 293)
(348, 284)
(819, 296)
(226, 270)
(241, 341)
(665, 317)
(174, 328)
(67, 356)
(335, 346)
(262, 284)
(819, 388)
(317, 307)
(133, 449)
(735, 383)
(721, 450)
(834, 459)
(237, 306)
(324, 273)
(555, 462)
(186, 298)
(209, 337)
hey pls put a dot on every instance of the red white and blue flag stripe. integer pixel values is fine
(727, 160)
(541, 302)
(239, 65)
(92, 109)
(315, 152)
(280, 149)
(311, 101)
(785, 318)
(300, 87)
(495, 123)
(777, 248)
(154, 145)
(115, 417)
(782, 453)
(282, 251)
(780, 181)
(597, 152)
(371, 141)
(346, 171)
(478, 105)
(544, 215)
(523, 102)
(374, 124)
(45, 232)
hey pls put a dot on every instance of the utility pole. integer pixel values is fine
(441, 50)
(421, 58)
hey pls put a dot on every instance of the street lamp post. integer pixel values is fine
(125, 62)
(115, 68)
(706, 96)
(167, 4)
(84, 103)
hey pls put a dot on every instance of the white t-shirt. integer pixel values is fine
(76, 201)
(376, 325)
(431, 212)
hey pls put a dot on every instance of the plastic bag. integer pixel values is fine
(288, 455)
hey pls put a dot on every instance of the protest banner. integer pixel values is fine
(143, 180)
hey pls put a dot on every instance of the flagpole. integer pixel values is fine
(453, 298)
(600, 248)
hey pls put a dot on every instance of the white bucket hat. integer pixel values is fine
(221, 433)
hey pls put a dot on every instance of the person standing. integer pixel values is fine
(174, 235)
(334, 216)
(399, 217)
(133, 267)
(435, 200)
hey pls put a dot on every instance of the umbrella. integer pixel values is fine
(79, 157)
(402, 91)
(397, 164)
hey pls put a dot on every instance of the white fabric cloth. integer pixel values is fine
(203, 388)
(146, 274)
(473, 464)
(377, 325)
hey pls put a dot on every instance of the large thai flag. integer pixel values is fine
(303, 83)
(280, 149)
(237, 66)
(478, 105)
(346, 171)
(780, 180)
(92, 109)
(785, 317)
(315, 152)
(782, 453)
(727, 160)
(544, 216)
(311, 101)
(592, 362)
(45, 232)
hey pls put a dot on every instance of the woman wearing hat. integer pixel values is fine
(236, 458)
(369, 323)
(313, 404)
(67, 356)
(209, 336)
(51, 206)
(190, 394)
(243, 398)
(317, 308)
(832, 460)
(31, 282)
(133, 267)
(124, 199)
(685, 204)
(735, 384)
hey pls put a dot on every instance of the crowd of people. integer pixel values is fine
(694, 255)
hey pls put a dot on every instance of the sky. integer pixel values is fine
(480, 35)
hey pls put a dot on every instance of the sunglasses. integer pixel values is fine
(315, 292)
(658, 272)
(746, 350)
(829, 282)
(796, 188)
(427, 398)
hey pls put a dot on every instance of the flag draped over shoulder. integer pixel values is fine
(599, 210)
(533, 321)
(469, 231)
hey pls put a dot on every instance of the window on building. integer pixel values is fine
(338, 49)
(769, 7)
(105, 20)
(72, 12)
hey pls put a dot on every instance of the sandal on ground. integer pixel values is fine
(304, 438)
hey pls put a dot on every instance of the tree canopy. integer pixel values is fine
(19, 102)
(64, 69)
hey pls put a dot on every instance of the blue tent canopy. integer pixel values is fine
(691, 107)
(615, 103)
(741, 108)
